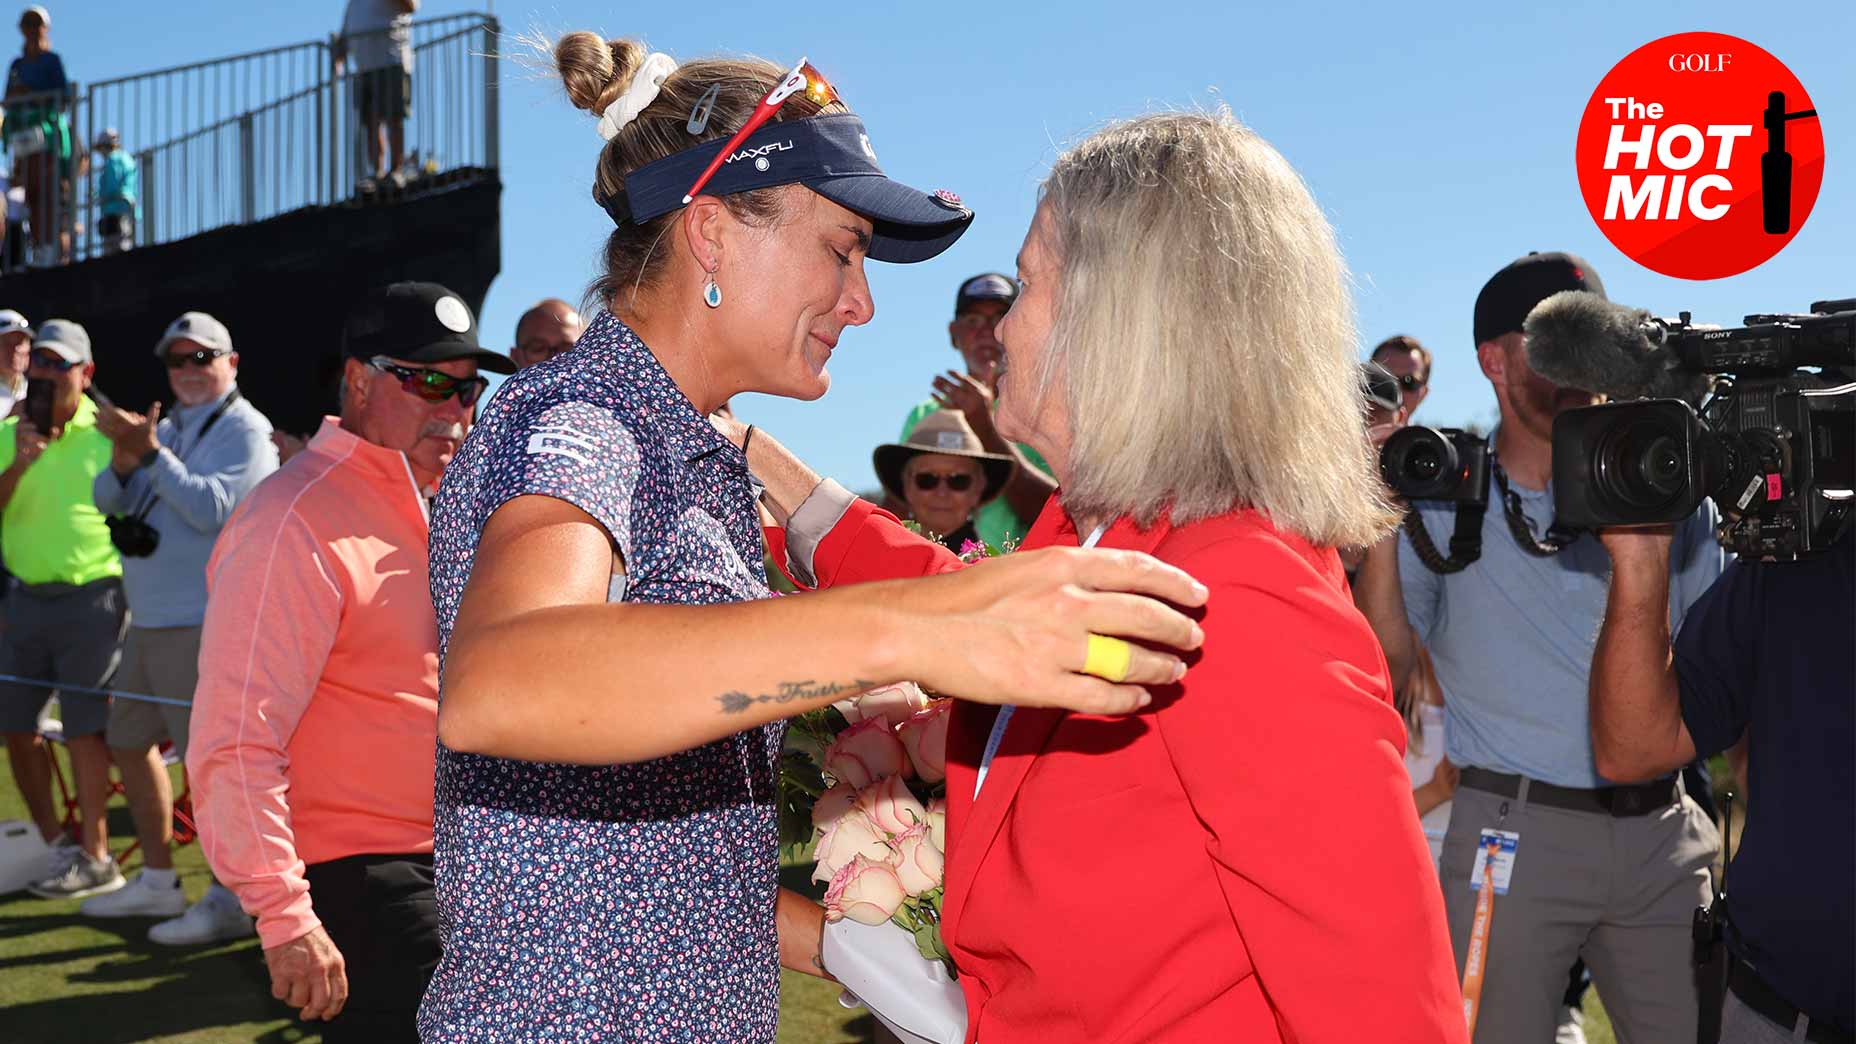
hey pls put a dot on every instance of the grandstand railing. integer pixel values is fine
(251, 136)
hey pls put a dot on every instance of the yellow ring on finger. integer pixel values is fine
(1108, 658)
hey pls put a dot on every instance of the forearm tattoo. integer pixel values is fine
(787, 692)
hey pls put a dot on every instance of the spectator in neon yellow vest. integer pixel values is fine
(978, 306)
(66, 614)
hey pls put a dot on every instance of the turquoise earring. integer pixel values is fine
(711, 294)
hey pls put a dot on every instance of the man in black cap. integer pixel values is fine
(315, 720)
(1585, 868)
(424, 423)
(979, 304)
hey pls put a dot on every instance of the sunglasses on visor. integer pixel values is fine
(432, 385)
(804, 79)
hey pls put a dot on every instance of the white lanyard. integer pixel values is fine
(1005, 711)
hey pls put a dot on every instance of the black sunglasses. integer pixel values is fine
(927, 480)
(53, 361)
(432, 385)
(200, 357)
(1410, 381)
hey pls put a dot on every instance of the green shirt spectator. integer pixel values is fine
(51, 530)
(64, 622)
(979, 304)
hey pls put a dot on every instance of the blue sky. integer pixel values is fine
(1439, 138)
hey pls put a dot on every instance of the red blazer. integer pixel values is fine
(1240, 862)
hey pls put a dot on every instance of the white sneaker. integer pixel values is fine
(140, 898)
(216, 917)
(82, 878)
(1571, 1028)
(63, 853)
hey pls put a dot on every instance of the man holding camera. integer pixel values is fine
(1583, 867)
(1764, 655)
(172, 483)
(65, 619)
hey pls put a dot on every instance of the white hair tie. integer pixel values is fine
(643, 91)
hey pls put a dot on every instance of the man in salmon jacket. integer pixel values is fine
(316, 717)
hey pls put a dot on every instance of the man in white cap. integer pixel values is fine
(172, 483)
(65, 616)
(15, 350)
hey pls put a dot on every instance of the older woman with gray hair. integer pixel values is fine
(1241, 860)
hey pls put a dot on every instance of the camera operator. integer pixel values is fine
(1764, 654)
(1609, 873)
(172, 483)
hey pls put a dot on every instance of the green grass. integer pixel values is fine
(66, 979)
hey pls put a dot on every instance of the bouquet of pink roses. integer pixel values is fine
(864, 784)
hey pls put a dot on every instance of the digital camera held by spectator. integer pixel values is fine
(132, 536)
(1447, 464)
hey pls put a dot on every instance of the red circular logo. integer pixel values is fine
(1700, 155)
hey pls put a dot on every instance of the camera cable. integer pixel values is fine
(1466, 541)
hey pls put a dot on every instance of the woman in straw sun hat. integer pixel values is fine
(944, 474)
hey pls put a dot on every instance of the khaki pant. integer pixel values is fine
(156, 661)
(1620, 892)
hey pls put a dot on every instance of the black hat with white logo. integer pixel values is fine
(418, 322)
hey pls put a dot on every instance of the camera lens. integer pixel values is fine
(1642, 464)
(1424, 463)
(1661, 465)
(1419, 463)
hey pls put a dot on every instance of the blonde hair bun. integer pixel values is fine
(595, 71)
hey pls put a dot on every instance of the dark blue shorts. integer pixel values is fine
(62, 634)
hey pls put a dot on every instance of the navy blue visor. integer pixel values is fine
(832, 156)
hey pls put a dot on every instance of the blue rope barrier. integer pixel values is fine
(90, 691)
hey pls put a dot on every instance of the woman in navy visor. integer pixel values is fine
(615, 677)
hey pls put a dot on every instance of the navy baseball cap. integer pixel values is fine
(1523, 283)
(988, 286)
(832, 156)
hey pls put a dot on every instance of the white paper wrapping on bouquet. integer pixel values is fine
(880, 967)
